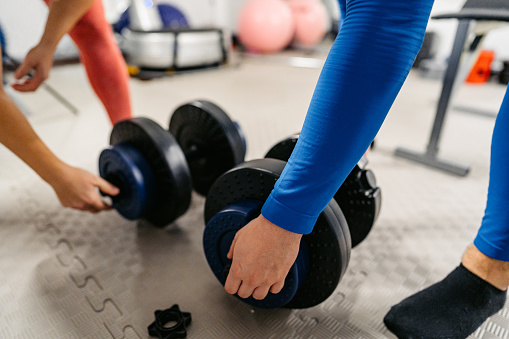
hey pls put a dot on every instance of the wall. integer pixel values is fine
(23, 21)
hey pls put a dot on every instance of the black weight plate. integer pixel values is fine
(250, 180)
(168, 163)
(360, 202)
(328, 244)
(359, 198)
(283, 149)
(330, 234)
(218, 145)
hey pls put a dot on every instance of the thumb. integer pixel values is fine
(106, 187)
(22, 70)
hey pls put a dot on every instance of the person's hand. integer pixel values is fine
(262, 254)
(76, 188)
(36, 67)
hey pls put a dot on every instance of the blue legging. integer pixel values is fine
(493, 235)
(365, 69)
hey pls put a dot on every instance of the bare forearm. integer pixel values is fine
(19, 137)
(63, 15)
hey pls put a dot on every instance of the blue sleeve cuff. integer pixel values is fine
(287, 218)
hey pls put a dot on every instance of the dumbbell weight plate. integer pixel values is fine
(358, 197)
(217, 240)
(328, 245)
(361, 202)
(168, 163)
(125, 167)
(283, 149)
(218, 142)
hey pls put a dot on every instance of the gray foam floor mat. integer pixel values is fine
(66, 274)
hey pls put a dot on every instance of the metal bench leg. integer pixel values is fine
(430, 158)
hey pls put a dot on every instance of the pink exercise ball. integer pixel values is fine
(311, 21)
(265, 26)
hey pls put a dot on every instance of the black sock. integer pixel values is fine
(452, 308)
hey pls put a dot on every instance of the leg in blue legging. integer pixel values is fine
(456, 306)
(493, 236)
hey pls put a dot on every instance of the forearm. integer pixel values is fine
(362, 76)
(19, 137)
(63, 15)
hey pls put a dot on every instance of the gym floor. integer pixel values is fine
(67, 274)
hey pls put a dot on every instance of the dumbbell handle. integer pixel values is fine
(368, 180)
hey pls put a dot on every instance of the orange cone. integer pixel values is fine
(482, 68)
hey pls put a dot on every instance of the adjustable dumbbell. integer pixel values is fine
(156, 169)
(359, 197)
(236, 198)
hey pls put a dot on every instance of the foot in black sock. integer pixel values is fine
(452, 308)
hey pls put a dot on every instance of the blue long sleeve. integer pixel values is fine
(364, 71)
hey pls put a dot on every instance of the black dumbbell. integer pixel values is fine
(236, 198)
(211, 141)
(156, 169)
(359, 197)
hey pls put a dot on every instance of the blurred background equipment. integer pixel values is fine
(311, 21)
(266, 26)
(475, 20)
(159, 37)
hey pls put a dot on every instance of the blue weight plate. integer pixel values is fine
(328, 245)
(218, 142)
(217, 239)
(125, 167)
(168, 163)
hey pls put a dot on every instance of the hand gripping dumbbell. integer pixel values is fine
(156, 169)
(237, 197)
(359, 197)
